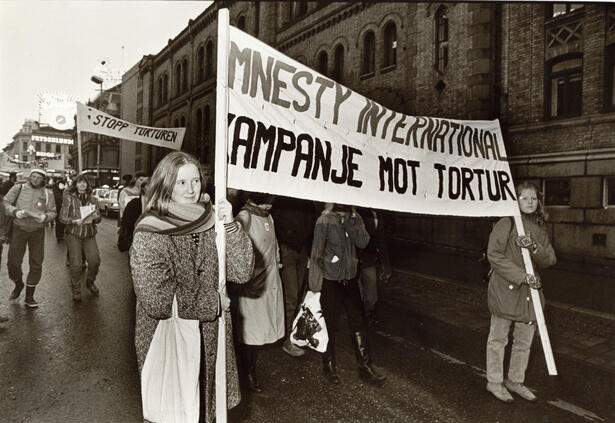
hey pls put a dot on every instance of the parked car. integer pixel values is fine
(99, 192)
(108, 204)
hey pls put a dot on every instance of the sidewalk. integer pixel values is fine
(574, 332)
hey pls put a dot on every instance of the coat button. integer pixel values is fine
(527, 298)
(511, 286)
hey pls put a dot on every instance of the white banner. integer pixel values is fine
(90, 119)
(295, 132)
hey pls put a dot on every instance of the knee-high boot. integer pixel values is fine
(328, 362)
(249, 353)
(366, 371)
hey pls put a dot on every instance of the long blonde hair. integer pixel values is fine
(160, 187)
(541, 214)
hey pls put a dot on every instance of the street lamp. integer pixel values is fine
(98, 80)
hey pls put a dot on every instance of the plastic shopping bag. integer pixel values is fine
(309, 328)
(170, 375)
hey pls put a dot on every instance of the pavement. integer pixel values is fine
(576, 332)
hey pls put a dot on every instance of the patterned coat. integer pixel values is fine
(164, 265)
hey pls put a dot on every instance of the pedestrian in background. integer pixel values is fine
(374, 263)
(80, 232)
(294, 220)
(260, 308)
(32, 206)
(58, 195)
(133, 190)
(333, 273)
(8, 184)
(132, 212)
(174, 254)
(509, 296)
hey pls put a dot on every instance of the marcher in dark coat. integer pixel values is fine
(333, 272)
(174, 254)
(374, 263)
(509, 294)
(8, 184)
(58, 194)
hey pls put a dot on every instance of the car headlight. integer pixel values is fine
(115, 205)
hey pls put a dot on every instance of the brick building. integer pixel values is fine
(545, 70)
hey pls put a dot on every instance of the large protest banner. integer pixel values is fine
(90, 119)
(295, 132)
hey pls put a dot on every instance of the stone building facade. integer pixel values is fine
(544, 69)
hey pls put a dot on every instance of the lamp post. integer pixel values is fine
(98, 80)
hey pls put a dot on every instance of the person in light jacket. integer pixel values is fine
(80, 234)
(174, 254)
(33, 206)
(509, 297)
(333, 272)
(260, 302)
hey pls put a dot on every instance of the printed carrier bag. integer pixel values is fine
(170, 375)
(309, 328)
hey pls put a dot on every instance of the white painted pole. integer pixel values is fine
(220, 183)
(79, 158)
(540, 318)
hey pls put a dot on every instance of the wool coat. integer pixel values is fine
(508, 296)
(261, 301)
(163, 266)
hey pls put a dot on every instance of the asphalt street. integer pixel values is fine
(66, 362)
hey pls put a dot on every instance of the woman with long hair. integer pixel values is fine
(80, 235)
(174, 254)
(509, 296)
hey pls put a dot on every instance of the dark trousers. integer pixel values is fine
(78, 248)
(59, 228)
(292, 273)
(333, 296)
(35, 242)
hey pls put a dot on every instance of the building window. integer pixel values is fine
(38, 146)
(323, 62)
(209, 59)
(610, 78)
(338, 63)
(609, 197)
(198, 133)
(185, 76)
(390, 45)
(178, 79)
(241, 23)
(206, 133)
(48, 147)
(368, 65)
(441, 39)
(301, 8)
(564, 87)
(177, 123)
(557, 192)
(25, 146)
(182, 122)
(166, 87)
(58, 148)
(201, 64)
(160, 91)
(559, 9)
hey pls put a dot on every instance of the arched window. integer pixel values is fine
(301, 8)
(160, 91)
(564, 88)
(323, 62)
(338, 63)
(390, 45)
(368, 64)
(182, 122)
(441, 43)
(176, 123)
(198, 133)
(241, 23)
(206, 133)
(209, 59)
(178, 78)
(201, 64)
(185, 75)
(165, 87)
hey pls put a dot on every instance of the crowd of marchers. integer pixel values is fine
(277, 248)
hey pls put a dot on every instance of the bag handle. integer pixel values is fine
(174, 313)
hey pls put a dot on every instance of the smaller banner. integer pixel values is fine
(90, 119)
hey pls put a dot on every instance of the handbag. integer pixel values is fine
(170, 375)
(309, 327)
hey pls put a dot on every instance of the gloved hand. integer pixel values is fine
(526, 241)
(533, 281)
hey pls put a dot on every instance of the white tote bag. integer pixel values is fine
(170, 375)
(309, 328)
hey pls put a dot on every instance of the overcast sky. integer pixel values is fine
(56, 46)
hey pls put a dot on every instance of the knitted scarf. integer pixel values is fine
(182, 219)
(255, 209)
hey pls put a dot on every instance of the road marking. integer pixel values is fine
(561, 404)
(587, 415)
